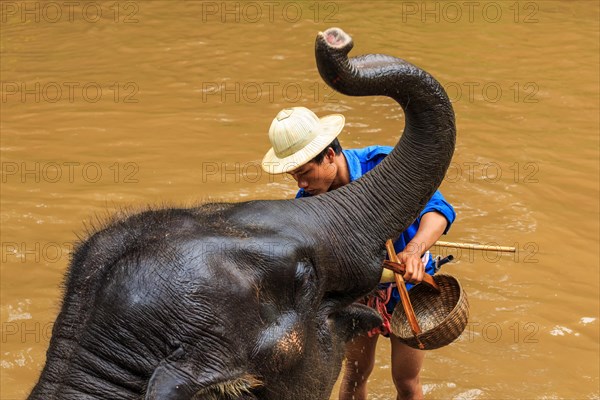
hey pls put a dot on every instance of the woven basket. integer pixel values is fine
(442, 316)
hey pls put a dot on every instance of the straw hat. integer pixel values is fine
(297, 136)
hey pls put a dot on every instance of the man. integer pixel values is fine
(307, 148)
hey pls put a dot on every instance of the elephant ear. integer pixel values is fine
(177, 378)
(355, 320)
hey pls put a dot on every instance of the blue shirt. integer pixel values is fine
(360, 161)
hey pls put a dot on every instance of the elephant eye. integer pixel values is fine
(305, 283)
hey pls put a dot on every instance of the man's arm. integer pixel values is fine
(432, 226)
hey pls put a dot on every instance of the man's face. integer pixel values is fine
(316, 178)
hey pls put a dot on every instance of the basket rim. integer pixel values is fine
(460, 298)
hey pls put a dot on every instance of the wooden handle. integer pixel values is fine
(400, 269)
(408, 308)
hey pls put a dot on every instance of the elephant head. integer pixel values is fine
(250, 300)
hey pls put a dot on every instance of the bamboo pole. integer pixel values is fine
(388, 275)
(475, 246)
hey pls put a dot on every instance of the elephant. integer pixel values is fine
(251, 300)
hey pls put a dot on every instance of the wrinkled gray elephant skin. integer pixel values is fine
(249, 300)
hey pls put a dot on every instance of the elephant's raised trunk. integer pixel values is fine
(389, 198)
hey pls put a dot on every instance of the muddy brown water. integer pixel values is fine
(111, 105)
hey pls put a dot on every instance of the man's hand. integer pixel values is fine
(415, 269)
(431, 228)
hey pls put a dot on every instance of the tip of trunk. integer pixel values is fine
(336, 38)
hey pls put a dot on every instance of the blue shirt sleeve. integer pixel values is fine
(438, 203)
